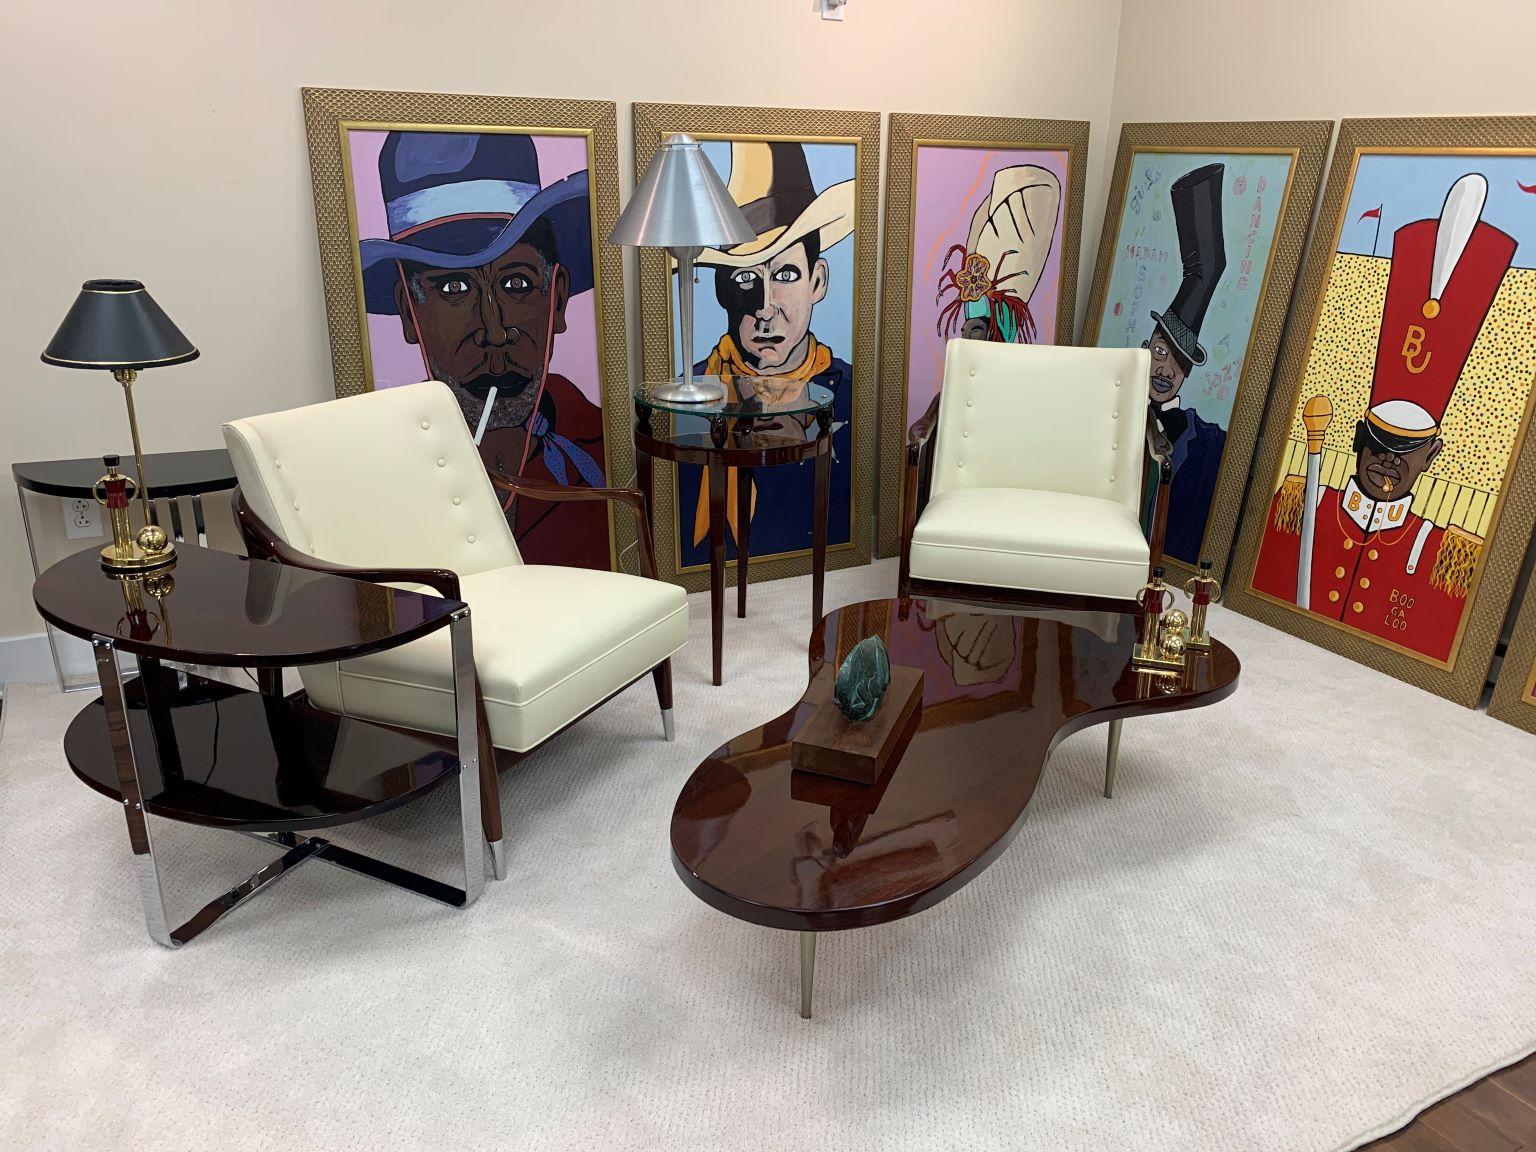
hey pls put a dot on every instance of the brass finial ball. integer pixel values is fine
(152, 538)
(1173, 646)
(1174, 620)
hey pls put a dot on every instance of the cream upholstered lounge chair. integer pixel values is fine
(1024, 478)
(389, 487)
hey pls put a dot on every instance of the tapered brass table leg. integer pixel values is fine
(1110, 760)
(807, 972)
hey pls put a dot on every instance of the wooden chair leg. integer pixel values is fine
(662, 674)
(490, 793)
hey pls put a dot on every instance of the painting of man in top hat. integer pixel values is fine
(1417, 387)
(475, 253)
(1187, 269)
(780, 305)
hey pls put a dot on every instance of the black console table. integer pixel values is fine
(260, 763)
(173, 475)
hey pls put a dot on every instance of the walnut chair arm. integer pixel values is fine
(547, 490)
(917, 482)
(918, 434)
(1160, 452)
(264, 544)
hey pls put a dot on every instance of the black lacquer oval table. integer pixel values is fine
(770, 844)
(203, 751)
(761, 423)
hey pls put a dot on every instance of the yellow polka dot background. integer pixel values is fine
(1482, 422)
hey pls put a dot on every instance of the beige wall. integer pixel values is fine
(1322, 59)
(163, 139)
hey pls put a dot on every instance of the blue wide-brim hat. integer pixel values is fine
(463, 199)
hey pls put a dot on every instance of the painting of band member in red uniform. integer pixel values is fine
(474, 261)
(1384, 501)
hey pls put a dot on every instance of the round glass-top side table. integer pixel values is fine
(761, 423)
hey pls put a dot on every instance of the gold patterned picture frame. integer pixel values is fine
(331, 114)
(1514, 692)
(860, 130)
(1357, 413)
(1302, 147)
(958, 192)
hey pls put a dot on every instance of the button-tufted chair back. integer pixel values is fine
(387, 479)
(1043, 417)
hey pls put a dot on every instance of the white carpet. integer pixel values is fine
(1309, 910)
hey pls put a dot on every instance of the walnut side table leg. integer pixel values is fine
(743, 537)
(716, 480)
(819, 525)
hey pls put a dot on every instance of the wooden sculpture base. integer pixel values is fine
(858, 750)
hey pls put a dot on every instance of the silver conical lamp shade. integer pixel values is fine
(681, 203)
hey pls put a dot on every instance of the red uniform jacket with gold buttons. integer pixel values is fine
(1376, 566)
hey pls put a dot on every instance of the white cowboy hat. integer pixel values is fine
(771, 183)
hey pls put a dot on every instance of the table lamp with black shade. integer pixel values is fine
(117, 326)
(681, 205)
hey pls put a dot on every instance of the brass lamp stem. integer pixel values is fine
(126, 377)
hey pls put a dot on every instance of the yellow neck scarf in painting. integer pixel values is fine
(725, 360)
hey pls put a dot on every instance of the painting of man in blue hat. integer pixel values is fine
(477, 276)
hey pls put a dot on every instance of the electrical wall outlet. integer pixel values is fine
(82, 519)
(833, 9)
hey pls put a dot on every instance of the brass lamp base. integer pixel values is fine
(133, 560)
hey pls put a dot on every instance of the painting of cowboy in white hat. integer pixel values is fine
(476, 258)
(780, 305)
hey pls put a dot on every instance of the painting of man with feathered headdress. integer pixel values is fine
(987, 250)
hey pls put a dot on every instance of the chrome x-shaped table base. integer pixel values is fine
(298, 851)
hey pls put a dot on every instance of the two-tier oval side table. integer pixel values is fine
(271, 766)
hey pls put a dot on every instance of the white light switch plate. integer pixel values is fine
(831, 11)
(82, 519)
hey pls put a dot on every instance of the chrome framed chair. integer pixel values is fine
(389, 487)
(1023, 480)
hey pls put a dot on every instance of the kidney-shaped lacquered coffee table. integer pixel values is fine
(788, 849)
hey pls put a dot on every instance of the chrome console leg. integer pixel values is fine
(53, 643)
(198, 522)
(177, 533)
(468, 730)
(133, 798)
(1111, 759)
(668, 724)
(807, 972)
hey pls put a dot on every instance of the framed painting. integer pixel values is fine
(1202, 238)
(796, 303)
(460, 241)
(1514, 692)
(1393, 499)
(983, 221)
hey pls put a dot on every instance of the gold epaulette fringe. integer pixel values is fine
(1288, 511)
(1455, 561)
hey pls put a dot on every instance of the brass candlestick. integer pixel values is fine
(126, 554)
(1202, 591)
(1161, 648)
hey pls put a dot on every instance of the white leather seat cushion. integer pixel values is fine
(1025, 538)
(550, 642)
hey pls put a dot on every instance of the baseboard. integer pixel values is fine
(26, 660)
